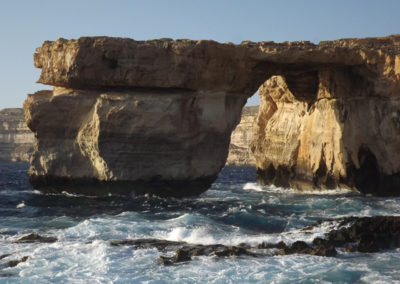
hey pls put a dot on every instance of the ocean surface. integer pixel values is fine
(234, 210)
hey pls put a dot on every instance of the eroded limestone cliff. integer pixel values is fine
(160, 112)
(347, 136)
(171, 142)
(241, 138)
(16, 139)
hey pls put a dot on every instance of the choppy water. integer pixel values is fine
(233, 211)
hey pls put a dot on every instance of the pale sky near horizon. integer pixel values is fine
(25, 24)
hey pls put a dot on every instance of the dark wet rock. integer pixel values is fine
(370, 234)
(264, 245)
(35, 238)
(350, 248)
(184, 251)
(319, 248)
(181, 255)
(339, 237)
(4, 256)
(13, 263)
(320, 242)
(367, 234)
(148, 243)
(280, 245)
(296, 247)
(244, 245)
(323, 250)
(187, 252)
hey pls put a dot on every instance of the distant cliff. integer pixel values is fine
(239, 149)
(16, 140)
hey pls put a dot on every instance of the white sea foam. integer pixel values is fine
(200, 235)
(252, 186)
(20, 205)
(225, 215)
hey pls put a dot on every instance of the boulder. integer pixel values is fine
(35, 238)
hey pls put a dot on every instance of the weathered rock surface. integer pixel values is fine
(241, 138)
(362, 234)
(165, 142)
(367, 234)
(184, 251)
(35, 238)
(138, 113)
(16, 139)
(341, 131)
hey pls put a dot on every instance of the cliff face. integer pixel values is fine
(241, 138)
(16, 139)
(138, 113)
(94, 142)
(346, 137)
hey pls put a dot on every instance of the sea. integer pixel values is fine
(234, 210)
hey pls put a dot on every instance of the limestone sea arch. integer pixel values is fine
(157, 115)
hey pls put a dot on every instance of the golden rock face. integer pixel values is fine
(346, 137)
(241, 138)
(162, 111)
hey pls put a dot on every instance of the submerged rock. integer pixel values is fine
(156, 116)
(184, 251)
(10, 263)
(13, 263)
(148, 243)
(35, 238)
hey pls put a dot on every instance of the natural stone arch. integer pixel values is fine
(131, 114)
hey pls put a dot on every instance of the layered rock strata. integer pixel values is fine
(138, 113)
(241, 138)
(95, 142)
(16, 139)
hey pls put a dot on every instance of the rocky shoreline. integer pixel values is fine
(352, 234)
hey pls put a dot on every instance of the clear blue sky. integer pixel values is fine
(25, 24)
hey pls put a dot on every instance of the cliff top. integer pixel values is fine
(12, 114)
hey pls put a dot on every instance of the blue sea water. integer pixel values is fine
(235, 210)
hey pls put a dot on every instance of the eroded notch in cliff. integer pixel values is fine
(110, 62)
(303, 85)
(367, 177)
